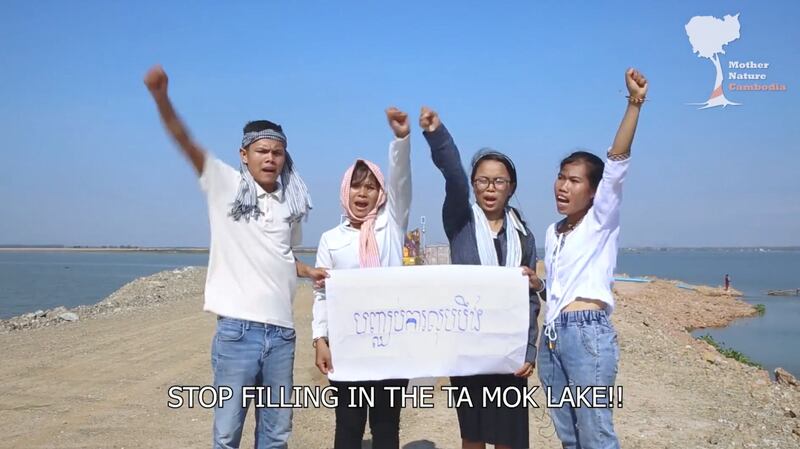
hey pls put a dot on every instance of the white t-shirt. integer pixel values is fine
(581, 263)
(251, 268)
(338, 247)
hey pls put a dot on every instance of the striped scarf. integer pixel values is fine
(295, 191)
(368, 254)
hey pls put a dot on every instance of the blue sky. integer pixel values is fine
(86, 161)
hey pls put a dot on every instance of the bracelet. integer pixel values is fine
(618, 157)
(635, 100)
(314, 342)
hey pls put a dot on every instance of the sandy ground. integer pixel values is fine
(102, 382)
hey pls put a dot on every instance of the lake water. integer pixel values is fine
(772, 340)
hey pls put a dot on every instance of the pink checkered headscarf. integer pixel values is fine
(368, 255)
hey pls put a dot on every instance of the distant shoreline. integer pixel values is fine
(309, 250)
(100, 249)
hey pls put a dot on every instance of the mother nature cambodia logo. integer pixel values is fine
(708, 35)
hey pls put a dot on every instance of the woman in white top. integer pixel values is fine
(579, 346)
(372, 236)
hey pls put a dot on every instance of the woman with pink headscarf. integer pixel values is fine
(371, 236)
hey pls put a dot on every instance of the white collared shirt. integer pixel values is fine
(581, 264)
(338, 247)
(251, 268)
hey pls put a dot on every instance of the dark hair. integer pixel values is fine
(594, 165)
(505, 161)
(261, 125)
(360, 173)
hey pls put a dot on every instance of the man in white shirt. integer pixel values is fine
(255, 214)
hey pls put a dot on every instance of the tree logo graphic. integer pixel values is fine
(708, 35)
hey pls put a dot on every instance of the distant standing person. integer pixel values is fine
(727, 282)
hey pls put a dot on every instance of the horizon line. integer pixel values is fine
(206, 248)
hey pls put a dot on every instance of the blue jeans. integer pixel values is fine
(247, 354)
(580, 351)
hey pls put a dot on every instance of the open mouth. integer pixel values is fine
(361, 205)
(562, 200)
(489, 200)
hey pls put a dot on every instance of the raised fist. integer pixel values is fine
(156, 80)
(398, 120)
(429, 119)
(636, 83)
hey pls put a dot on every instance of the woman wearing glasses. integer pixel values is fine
(488, 232)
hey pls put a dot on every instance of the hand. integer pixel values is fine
(318, 275)
(429, 119)
(398, 120)
(534, 283)
(323, 358)
(636, 83)
(525, 371)
(156, 81)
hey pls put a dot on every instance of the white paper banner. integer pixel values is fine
(422, 321)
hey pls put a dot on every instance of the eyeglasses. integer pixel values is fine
(482, 183)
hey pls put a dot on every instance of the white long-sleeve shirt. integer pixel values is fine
(581, 264)
(338, 247)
